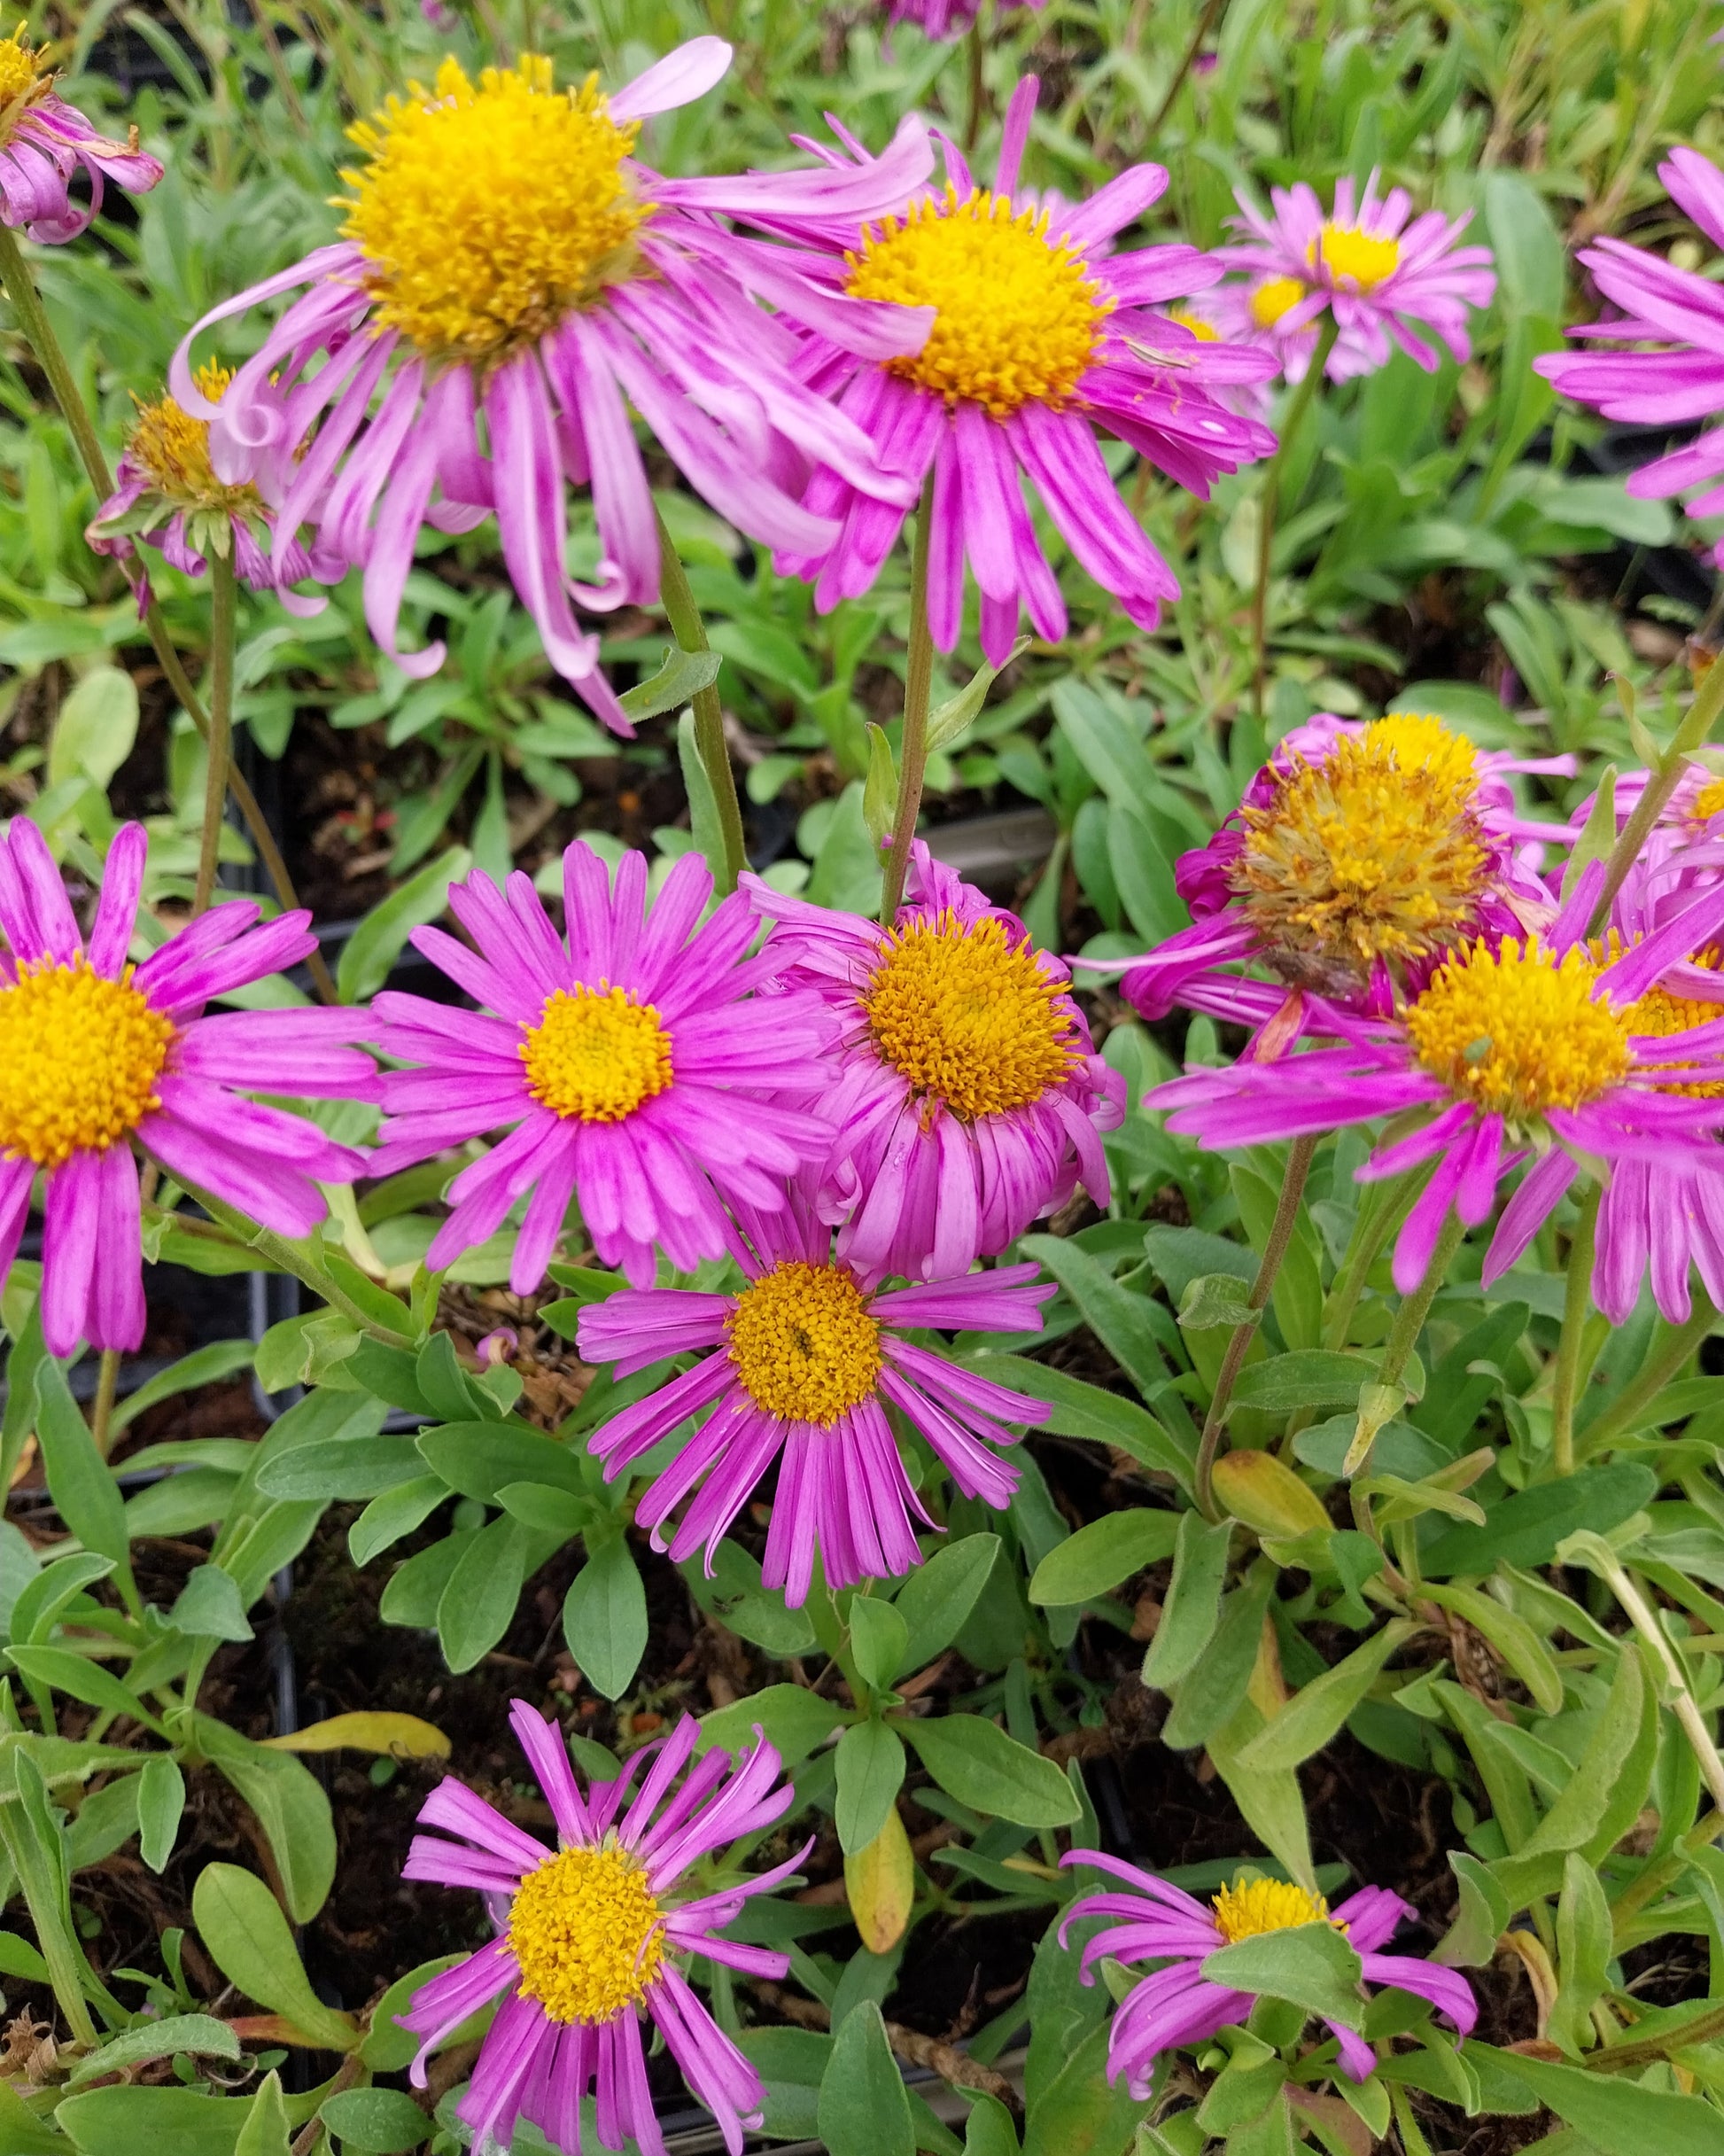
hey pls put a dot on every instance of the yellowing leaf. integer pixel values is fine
(402, 1736)
(880, 1882)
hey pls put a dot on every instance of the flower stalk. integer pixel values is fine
(918, 683)
(1576, 1302)
(223, 611)
(677, 600)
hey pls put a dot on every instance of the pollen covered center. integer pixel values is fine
(1205, 332)
(22, 72)
(1258, 1905)
(968, 1017)
(1662, 1014)
(1020, 317)
(1362, 257)
(1375, 851)
(79, 1059)
(1707, 802)
(804, 1343)
(1519, 1031)
(1274, 297)
(486, 214)
(596, 1053)
(173, 447)
(588, 1934)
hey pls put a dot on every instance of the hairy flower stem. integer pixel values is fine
(1299, 1156)
(689, 630)
(107, 1383)
(1576, 1300)
(1268, 501)
(1693, 732)
(51, 357)
(223, 609)
(917, 682)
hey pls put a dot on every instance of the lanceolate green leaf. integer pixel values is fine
(983, 1767)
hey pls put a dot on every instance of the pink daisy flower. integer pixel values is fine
(1360, 854)
(510, 278)
(1041, 336)
(1677, 310)
(1364, 263)
(94, 1052)
(1254, 311)
(1177, 2005)
(803, 1362)
(44, 143)
(629, 1054)
(1533, 1046)
(967, 1099)
(593, 1935)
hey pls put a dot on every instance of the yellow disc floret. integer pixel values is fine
(1362, 257)
(1253, 1906)
(174, 448)
(968, 1017)
(1020, 317)
(79, 1059)
(1205, 332)
(596, 1053)
(486, 214)
(1276, 297)
(1661, 1015)
(1708, 801)
(1375, 852)
(25, 74)
(804, 1343)
(587, 1934)
(1517, 1031)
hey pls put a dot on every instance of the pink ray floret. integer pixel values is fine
(45, 143)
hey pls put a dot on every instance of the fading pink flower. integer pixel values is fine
(45, 142)
(941, 20)
(801, 1367)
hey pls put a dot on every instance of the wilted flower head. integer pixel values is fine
(1364, 263)
(508, 275)
(44, 142)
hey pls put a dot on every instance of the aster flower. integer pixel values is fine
(509, 272)
(593, 1935)
(938, 20)
(1042, 335)
(1507, 1047)
(803, 1362)
(1254, 311)
(166, 491)
(44, 143)
(1359, 855)
(1376, 274)
(967, 1099)
(1681, 313)
(95, 1052)
(1177, 2005)
(628, 1055)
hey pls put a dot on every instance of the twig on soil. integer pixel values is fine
(945, 2060)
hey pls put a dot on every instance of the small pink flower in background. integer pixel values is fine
(629, 1054)
(1680, 312)
(593, 1935)
(1376, 273)
(1255, 313)
(511, 280)
(95, 1052)
(1177, 2005)
(1043, 335)
(804, 1362)
(945, 19)
(44, 143)
(966, 1100)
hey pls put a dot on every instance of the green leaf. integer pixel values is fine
(96, 728)
(1514, 1638)
(84, 1679)
(1614, 2115)
(870, 1769)
(936, 1599)
(1118, 1317)
(989, 2130)
(386, 1519)
(1098, 1556)
(604, 1618)
(200, 2034)
(84, 1493)
(879, 1637)
(796, 1720)
(377, 2122)
(478, 1601)
(880, 788)
(679, 677)
(1316, 1711)
(291, 1807)
(209, 1607)
(22, 2133)
(241, 1924)
(1572, 1822)
(947, 721)
(983, 1767)
(338, 1470)
(389, 2048)
(1080, 2112)
(35, 1842)
(1531, 268)
(864, 2110)
(479, 1458)
(1310, 1964)
(1078, 1410)
(1308, 1377)
(204, 1366)
(1470, 1943)
(160, 1802)
(1209, 1695)
(382, 936)
(1525, 1529)
(165, 2121)
(1189, 1614)
(1583, 1955)
(40, 1602)
(265, 2130)
(735, 1598)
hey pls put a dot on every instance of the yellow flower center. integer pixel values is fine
(22, 73)
(1659, 1013)
(1707, 802)
(174, 449)
(1272, 299)
(1516, 1032)
(803, 1343)
(486, 214)
(1258, 1905)
(596, 1053)
(1205, 332)
(79, 1061)
(1346, 252)
(1019, 315)
(586, 1931)
(1375, 852)
(967, 1018)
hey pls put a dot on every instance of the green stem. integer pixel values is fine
(917, 682)
(1205, 23)
(51, 357)
(1300, 1155)
(224, 608)
(292, 1258)
(978, 88)
(1576, 1299)
(689, 630)
(1415, 1308)
(1693, 733)
(1655, 1375)
(107, 1383)
(1378, 1214)
(1269, 501)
